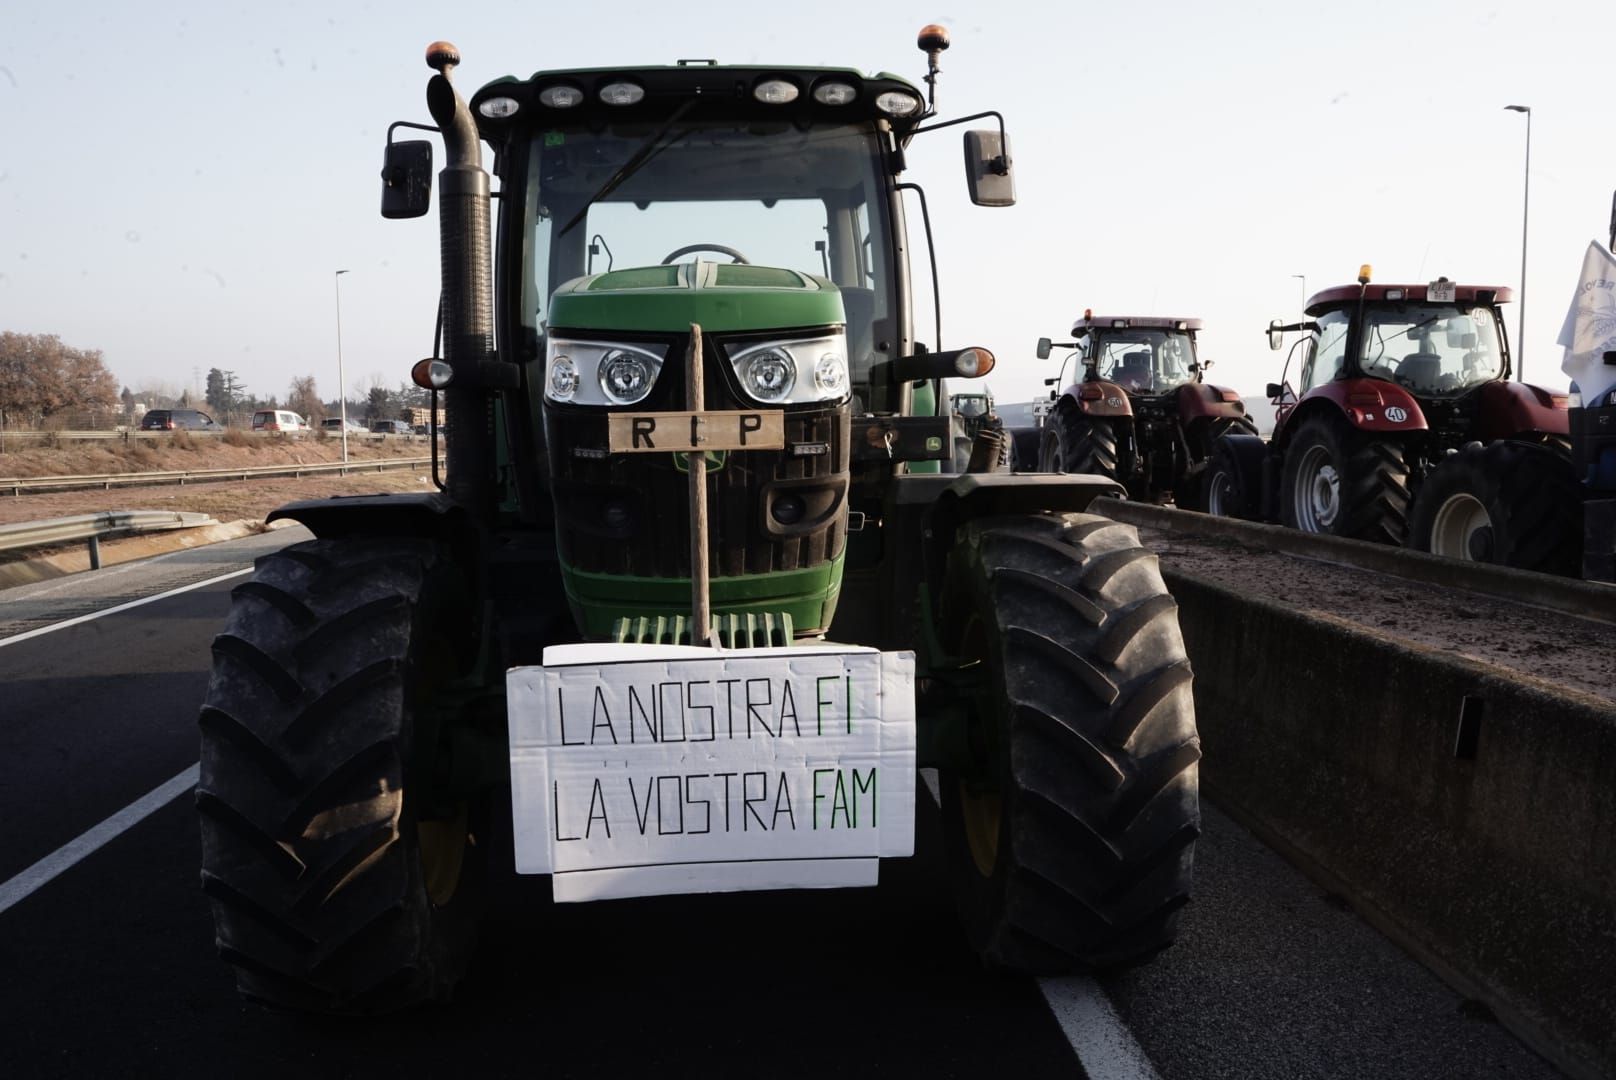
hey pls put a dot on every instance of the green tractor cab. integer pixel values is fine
(696, 590)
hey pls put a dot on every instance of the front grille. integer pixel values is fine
(751, 630)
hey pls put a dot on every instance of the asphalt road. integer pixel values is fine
(110, 968)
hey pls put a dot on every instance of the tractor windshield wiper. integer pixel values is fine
(647, 150)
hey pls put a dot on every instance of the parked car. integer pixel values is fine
(278, 420)
(333, 424)
(389, 427)
(179, 420)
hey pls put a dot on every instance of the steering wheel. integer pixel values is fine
(720, 248)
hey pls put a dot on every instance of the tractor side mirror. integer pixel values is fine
(972, 363)
(987, 169)
(1276, 335)
(407, 179)
(1044, 347)
(1274, 390)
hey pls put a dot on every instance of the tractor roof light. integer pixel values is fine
(1364, 273)
(1119, 324)
(973, 363)
(1181, 325)
(776, 91)
(835, 93)
(898, 103)
(622, 93)
(1394, 294)
(561, 96)
(498, 108)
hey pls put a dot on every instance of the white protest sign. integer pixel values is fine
(1589, 331)
(640, 770)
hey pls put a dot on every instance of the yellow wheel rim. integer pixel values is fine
(443, 853)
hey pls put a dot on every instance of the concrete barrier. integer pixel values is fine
(1467, 811)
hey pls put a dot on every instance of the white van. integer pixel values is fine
(278, 420)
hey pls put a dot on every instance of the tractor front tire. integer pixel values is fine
(1070, 840)
(1075, 443)
(1510, 503)
(340, 883)
(1341, 482)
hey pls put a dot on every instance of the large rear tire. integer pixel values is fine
(340, 881)
(1232, 486)
(1070, 846)
(1344, 483)
(1075, 443)
(1191, 491)
(1510, 503)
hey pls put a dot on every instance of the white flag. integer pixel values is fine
(1590, 327)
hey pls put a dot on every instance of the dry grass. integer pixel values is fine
(226, 501)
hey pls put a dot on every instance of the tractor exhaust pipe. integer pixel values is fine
(467, 298)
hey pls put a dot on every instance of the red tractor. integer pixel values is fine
(1403, 387)
(1140, 413)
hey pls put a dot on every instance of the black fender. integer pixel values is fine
(430, 514)
(980, 495)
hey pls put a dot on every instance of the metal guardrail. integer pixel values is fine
(107, 481)
(95, 527)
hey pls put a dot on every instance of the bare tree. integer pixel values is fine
(304, 397)
(41, 378)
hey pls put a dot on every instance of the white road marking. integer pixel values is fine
(69, 854)
(1099, 1038)
(63, 625)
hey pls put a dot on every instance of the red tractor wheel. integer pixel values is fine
(1342, 483)
(1075, 443)
(1509, 503)
(1193, 490)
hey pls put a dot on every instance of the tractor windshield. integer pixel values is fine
(1145, 361)
(1432, 348)
(639, 194)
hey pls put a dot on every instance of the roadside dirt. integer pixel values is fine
(231, 500)
(1564, 650)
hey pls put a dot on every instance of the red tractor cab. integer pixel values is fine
(1393, 381)
(1138, 410)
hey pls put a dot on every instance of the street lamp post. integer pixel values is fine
(1526, 204)
(342, 380)
(1303, 278)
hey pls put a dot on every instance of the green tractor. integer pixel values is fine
(694, 572)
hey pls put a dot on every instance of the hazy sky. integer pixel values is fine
(180, 180)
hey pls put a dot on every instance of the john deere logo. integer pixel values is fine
(1396, 415)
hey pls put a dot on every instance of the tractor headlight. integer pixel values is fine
(600, 372)
(830, 374)
(625, 377)
(563, 380)
(793, 372)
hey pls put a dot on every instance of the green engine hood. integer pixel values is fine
(719, 296)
